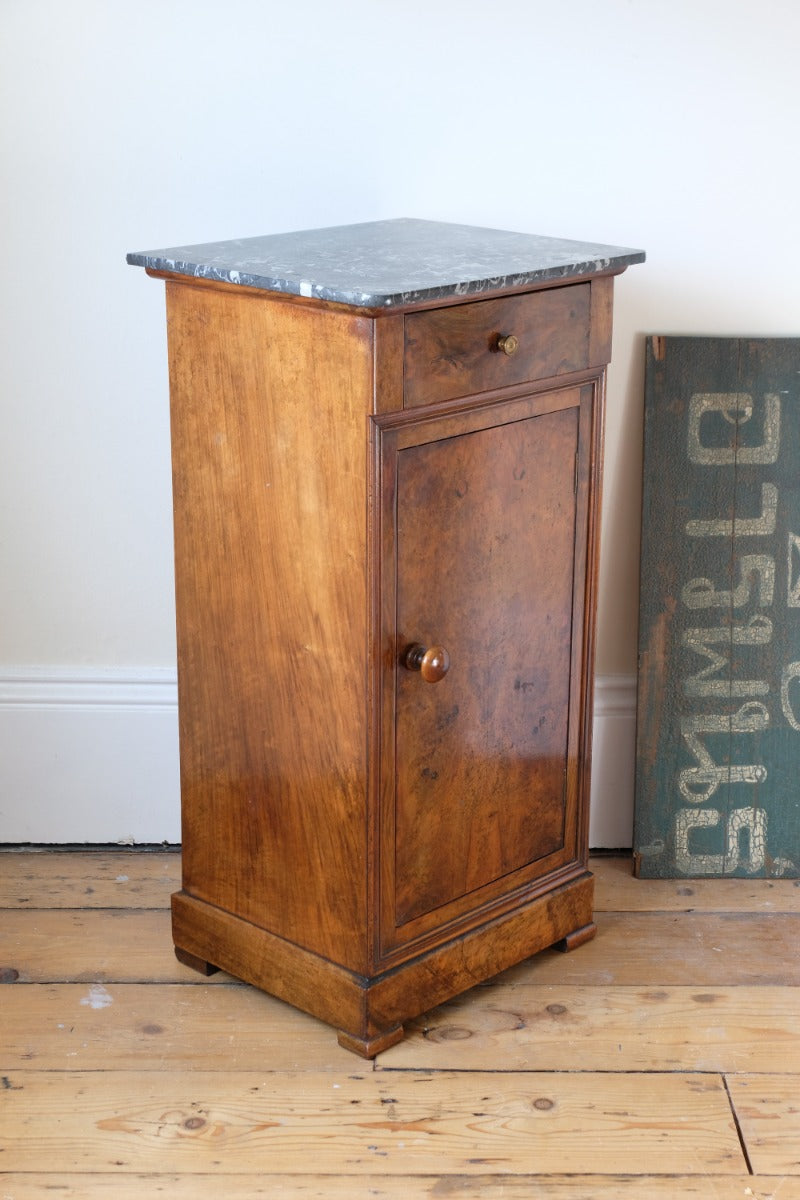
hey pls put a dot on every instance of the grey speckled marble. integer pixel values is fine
(385, 264)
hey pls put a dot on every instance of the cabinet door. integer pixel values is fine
(488, 531)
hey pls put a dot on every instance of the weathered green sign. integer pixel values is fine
(718, 738)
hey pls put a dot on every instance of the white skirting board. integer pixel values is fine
(613, 763)
(91, 755)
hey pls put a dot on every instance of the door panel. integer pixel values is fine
(485, 548)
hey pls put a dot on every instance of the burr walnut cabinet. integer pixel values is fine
(386, 469)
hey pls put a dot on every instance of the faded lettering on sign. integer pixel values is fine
(736, 762)
(718, 729)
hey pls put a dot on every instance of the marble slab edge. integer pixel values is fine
(390, 264)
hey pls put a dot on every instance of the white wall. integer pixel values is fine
(666, 124)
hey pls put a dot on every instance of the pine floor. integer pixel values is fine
(661, 1060)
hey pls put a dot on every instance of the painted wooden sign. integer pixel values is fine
(718, 738)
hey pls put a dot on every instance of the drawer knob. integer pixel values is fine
(508, 343)
(432, 662)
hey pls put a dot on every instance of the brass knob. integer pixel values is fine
(508, 343)
(432, 662)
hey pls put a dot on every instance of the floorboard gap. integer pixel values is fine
(738, 1127)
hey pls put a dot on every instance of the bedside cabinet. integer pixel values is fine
(387, 446)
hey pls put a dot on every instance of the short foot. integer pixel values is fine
(369, 1047)
(576, 938)
(197, 964)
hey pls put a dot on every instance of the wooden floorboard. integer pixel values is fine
(96, 945)
(265, 1186)
(84, 1026)
(617, 889)
(669, 949)
(89, 879)
(661, 1060)
(141, 1026)
(355, 1122)
(768, 1109)
(571, 1028)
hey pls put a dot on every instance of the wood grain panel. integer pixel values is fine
(454, 352)
(404, 574)
(482, 756)
(269, 468)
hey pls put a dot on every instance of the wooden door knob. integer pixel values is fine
(508, 344)
(432, 662)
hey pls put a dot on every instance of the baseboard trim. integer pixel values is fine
(88, 687)
(90, 755)
(615, 696)
(613, 762)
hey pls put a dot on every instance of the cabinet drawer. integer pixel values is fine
(457, 351)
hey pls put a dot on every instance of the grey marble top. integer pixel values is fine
(385, 264)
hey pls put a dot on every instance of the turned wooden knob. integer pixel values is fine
(432, 662)
(508, 344)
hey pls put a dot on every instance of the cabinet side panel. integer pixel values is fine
(269, 405)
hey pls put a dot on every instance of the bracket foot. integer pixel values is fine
(576, 938)
(369, 1047)
(197, 964)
